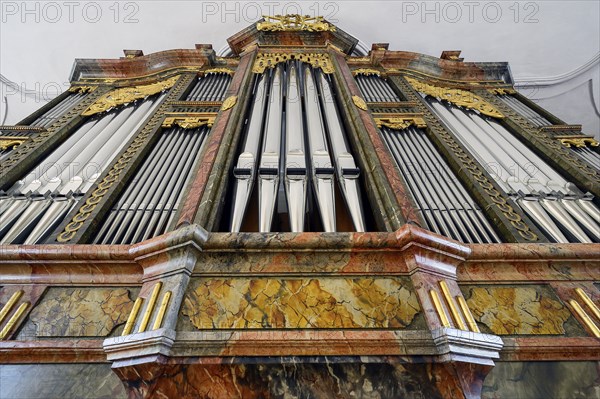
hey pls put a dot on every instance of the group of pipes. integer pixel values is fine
(557, 206)
(587, 154)
(36, 204)
(210, 87)
(148, 204)
(295, 138)
(374, 89)
(446, 206)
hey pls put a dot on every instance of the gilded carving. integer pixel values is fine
(240, 303)
(360, 103)
(366, 71)
(579, 142)
(219, 70)
(400, 122)
(126, 95)
(81, 312)
(189, 121)
(294, 22)
(109, 180)
(82, 89)
(502, 91)
(228, 103)
(270, 60)
(517, 310)
(13, 142)
(457, 97)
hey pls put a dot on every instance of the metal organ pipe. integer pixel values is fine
(39, 202)
(151, 199)
(346, 170)
(210, 87)
(322, 171)
(245, 169)
(294, 153)
(268, 170)
(555, 204)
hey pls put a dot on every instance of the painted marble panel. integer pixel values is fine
(516, 310)
(78, 312)
(239, 303)
(537, 380)
(64, 381)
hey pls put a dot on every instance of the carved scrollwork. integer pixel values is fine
(294, 22)
(189, 121)
(126, 95)
(366, 71)
(11, 142)
(82, 89)
(457, 97)
(220, 70)
(401, 122)
(502, 91)
(579, 142)
(270, 60)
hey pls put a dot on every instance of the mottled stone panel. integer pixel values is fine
(240, 303)
(78, 312)
(64, 381)
(536, 380)
(517, 310)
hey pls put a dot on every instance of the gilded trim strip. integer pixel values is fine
(453, 310)
(150, 307)
(13, 320)
(9, 305)
(467, 313)
(439, 308)
(133, 316)
(162, 310)
(585, 318)
(588, 301)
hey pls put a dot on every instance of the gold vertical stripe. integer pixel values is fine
(13, 320)
(467, 312)
(150, 307)
(9, 305)
(439, 309)
(132, 316)
(588, 301)
(161, 312)
(585, 318)
(455, 315)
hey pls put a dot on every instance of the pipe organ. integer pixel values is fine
(446, 205)
(38, 202)
(296, 154)
(297, 218)
(150, 201)
(561, 209)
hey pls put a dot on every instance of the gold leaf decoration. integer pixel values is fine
(189, 121)
(11, 142)
(366, 71)
(126, 95)
(270, 60)
(579, 142)
(294, 22)
(82, 89)
(459, 97)
(220, 70)
(502, 91)
(228, 103)
(360, 103)
(400, 123)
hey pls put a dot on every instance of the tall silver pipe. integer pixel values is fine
(537, 212)
(295, 156)
(322, 171)
(346, 168)
(245, 169)
(565, 219)
(268, 173)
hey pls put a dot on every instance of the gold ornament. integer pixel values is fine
(228, 103)
(126, 95)
(189, 121)
(13, 142)
(360, 103)
(401, 122)
(461, 98)
(270, 60)
(294, 22)
(366, 71)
